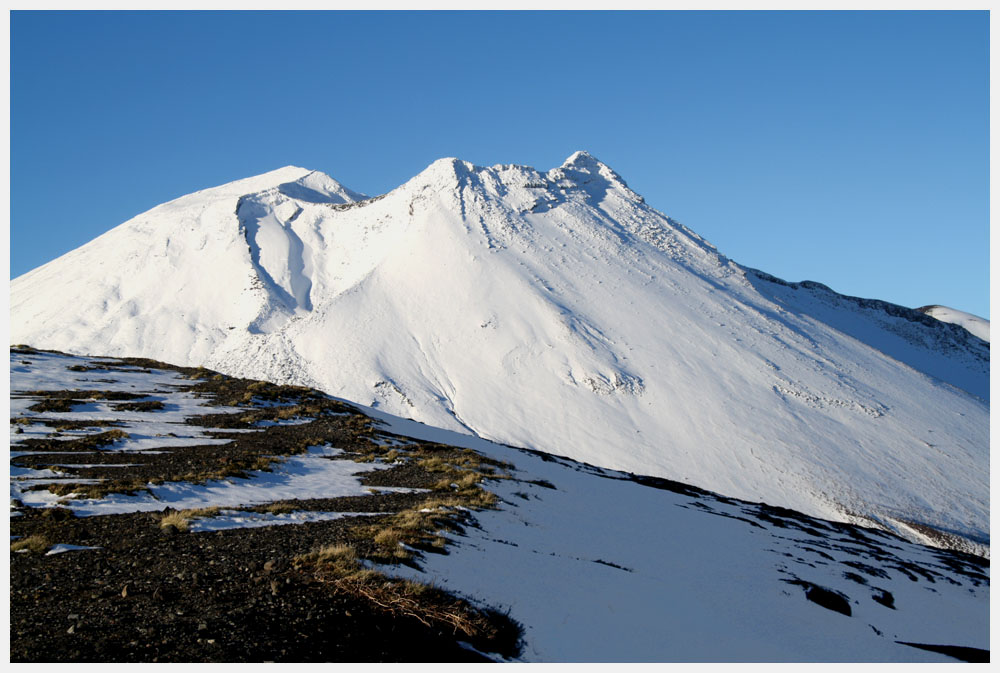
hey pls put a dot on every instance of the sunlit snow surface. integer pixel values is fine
(236, 519)
(554, 310)
(61, 548)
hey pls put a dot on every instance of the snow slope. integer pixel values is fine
(596, 565)
(980, 327)
(601, 566)
(555, 311)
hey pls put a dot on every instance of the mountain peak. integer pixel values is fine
(584, 168)
(582, 158)
(580, 173)
(318, 187)
(443, 172)
(293, 181)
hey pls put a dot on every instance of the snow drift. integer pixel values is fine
(550, 310)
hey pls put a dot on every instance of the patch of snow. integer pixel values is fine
(319, 473)
(228, 519)
(60, 548)
(21, 473)
(290, 421)
(86, 465)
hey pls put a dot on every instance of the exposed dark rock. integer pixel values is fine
(885, 598)
(827, 598)
(972, 655)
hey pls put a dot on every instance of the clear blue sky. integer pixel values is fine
(848, 148)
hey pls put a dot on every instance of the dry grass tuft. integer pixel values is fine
(182, 520)
(390, 537)
(459, 481)
(148, 405)
(56, 405)
(94, 491)
(339, 566)
(339, 561)
(435, 464)
(428, 605)
(263, 463)
(33, 543)
(175, 519)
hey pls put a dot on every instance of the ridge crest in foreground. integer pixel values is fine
(177, 514)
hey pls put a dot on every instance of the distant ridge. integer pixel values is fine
(980, 327)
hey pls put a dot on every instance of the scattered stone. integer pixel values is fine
(827, 598)
(885, 598)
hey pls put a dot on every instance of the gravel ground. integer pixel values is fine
(144, 592)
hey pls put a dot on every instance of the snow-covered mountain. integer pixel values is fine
(555, 311)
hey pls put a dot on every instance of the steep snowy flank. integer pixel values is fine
(977, 326)
(551, 310)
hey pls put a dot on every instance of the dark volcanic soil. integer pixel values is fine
(156, 593)
(213, 596)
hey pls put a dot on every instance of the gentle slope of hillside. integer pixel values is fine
(178, 515)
